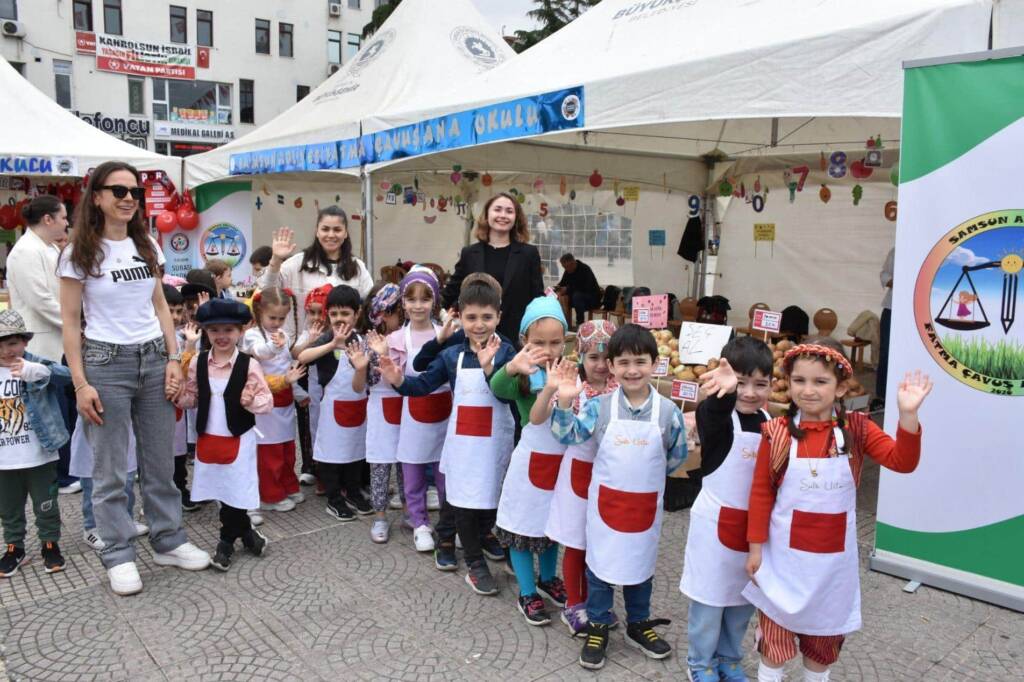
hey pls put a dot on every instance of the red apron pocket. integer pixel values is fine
(544, 470)
(732, 529)
(178, 412)
(473, 421)
(431, 409)
(350, 413)
(284, 398)
(627, 512)
(213, 449)
(580, 473)
(392, 408)
(818, 533)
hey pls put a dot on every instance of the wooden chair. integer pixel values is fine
(686, 309)
(594, 312)
(749, 329)
(392, 273)
(856, 346)
(618, 316)
(825, 321)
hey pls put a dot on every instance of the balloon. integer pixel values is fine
(596, 179)
(188, 218)
(167, 221)
(8, 220)
(894, 175)
(17, 212)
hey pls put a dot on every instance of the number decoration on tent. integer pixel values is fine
(890, 211)
(858, 193)
(825, 194)
(694, 203)
(837, 165)
(964, 319)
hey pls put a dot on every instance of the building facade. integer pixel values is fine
(182, 76)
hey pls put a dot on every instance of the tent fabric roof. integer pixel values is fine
(36, 126)
(424, 48)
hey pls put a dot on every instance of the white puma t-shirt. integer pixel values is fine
(118, 304)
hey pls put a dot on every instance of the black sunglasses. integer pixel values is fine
(120, 191)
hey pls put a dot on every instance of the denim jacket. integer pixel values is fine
(41, 404)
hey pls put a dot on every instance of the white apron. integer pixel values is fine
(384, 416)
(225, 466)
(278, 426)
(478, 443)
(530, 482)
(190, 428)
(715, 560)
(316, 393)
(625, 498)
(808, 581)
(567, 518)
(341, 431)
(424, 418)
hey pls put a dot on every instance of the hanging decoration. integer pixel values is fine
(822, 163)
(859, 170)
(890, 211)
(724, 188)
(409, 195)
(873, 159)
(167, 222)
(543, 210)
(825, 194)
(858, 192)
(187, 216)
(694, 203)
(538, 185)
(572, 195)
(396, 188)
(486, 180)
(8, 220)
(620, 201)
(298, 202)
(562, 186)
(442, 204)
(595, 179)
(894, 175)
(837, 165)
(429, 219)
(385, 185)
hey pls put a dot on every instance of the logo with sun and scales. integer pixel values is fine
(965, 302)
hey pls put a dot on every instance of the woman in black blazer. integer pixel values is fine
(503, 251)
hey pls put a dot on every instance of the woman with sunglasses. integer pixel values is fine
(123, 375)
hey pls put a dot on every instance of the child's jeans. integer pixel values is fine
(416, 481)
(16, 486)
(380, 484)
(600, 596)
(88, 521)
(715, 634)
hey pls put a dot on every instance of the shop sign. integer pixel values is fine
(167, 130)
(38, 165)
(144, 58)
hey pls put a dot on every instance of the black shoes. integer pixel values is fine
(361, 504)
(444, 556)
(492, 548)
(53, 560)
(222, 558)
(480, 579)
(255, 542)
(592, 657)
(643, 637)
(12, 559)
(339, 510)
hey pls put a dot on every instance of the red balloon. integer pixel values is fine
(18, 217)
(188, 218)
(167, 221)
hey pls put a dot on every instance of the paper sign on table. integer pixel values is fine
(684, 390)
(764, 232)
(698, 342)
(767, 321)
(661, 367)
(651, 311)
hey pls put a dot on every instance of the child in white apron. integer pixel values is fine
(228, 389)
(533, 469)
(803, 520)
(340, 449)
(641, 438)
(424, 418)
(567, 518)
(268, 343)
(479, 438)
(729, 423)
(308, 411)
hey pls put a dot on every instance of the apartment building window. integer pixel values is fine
(62, 82)
(137, 96)
(204, 28)
(353, 4)
(179, 24)
(112, 23)
(8, 9)
(351, 46)
(300, 92)
(334, 47)
(81, 10)
(262, 36)
(191, 101)
(284, 39)
(246, 101)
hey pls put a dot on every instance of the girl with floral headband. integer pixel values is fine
(802, 526)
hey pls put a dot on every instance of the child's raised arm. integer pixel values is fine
(360, 361)
(311, 355)
(558, 371)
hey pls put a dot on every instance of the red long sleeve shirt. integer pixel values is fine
(900, 454)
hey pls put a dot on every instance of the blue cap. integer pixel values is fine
(539, 308)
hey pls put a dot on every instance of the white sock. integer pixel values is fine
(766, 674)
(811, 676)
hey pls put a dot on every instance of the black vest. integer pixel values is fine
(239, 419)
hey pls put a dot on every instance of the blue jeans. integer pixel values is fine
(600, 595)
(715, 634)
(88, 521)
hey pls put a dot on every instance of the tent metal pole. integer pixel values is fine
(367, 192)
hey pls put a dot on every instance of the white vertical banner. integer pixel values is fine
(225, 226)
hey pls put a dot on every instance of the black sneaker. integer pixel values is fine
(533, 610)
(592, 656)
(492, 548)
(643, 637)
(12, 559)
(186, 502)
(361, 504)
(554, 590)
(222, 558)
(255, 541)
(339, 510)
(480, 579)
(53, 560)
(444, 556)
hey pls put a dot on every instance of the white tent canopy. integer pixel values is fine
(36, 127)
(424, 49)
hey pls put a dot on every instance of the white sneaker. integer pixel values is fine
(307, 479)
(396, 501)
(186, 556)
(297, 498)
(285, 505)
(423, 537)
(380, 531)
(141, 529)
(255, 518)
(124, 579)
(433, 500)
(93, 539)
(71, 489)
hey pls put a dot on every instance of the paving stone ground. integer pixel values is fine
(327, 604)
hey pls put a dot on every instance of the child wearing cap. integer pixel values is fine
(31, 431)
(228, 389)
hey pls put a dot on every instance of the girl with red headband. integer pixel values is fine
(802, 527)
(308, 413)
